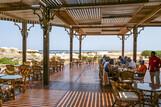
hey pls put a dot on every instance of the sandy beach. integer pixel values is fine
(16, 54)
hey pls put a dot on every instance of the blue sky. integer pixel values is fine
(149, 38)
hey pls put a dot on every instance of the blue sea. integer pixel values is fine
(75, 51)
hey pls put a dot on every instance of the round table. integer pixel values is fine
(11, 78)
(149, 87)
(2, 75)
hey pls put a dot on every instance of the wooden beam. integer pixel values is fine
(142, 19)
(14, 6)
(102, 35)
(97, 4)
(95, 26)
(124, 30)
(158, 24)
(99, 33)
(110, 30)
(66, 18)
(150, 15)
(13, 16)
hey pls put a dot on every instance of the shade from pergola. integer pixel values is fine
(89, 17)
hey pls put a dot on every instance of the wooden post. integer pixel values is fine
(80, 47)
(135, 35)
(46, 56)
(24, 41)
(71, 46)
(45, 24)
(46, 16)
(123, 45)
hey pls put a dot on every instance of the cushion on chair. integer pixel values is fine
(131, 96)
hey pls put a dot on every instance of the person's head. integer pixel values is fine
(119, 57)
(142, 62)
(129, 59)
(111, 61)
(153, 53)
(107, 58)
(104, 56)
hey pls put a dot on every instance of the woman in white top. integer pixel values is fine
(131, 64)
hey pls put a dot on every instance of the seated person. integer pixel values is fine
(131, 64)
(106, 65)
(142, 68)
(122, 60)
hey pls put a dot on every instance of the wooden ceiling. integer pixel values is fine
(88, 17)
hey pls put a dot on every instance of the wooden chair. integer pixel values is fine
(53, 65)
(139, 77)
(62, 63)
(36, 72)
(10, 70)
(6, 92)
(28, 63)
(25, 71)
(126, 77)
(123, 97)
(101, 71)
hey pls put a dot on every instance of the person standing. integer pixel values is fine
(154, 67)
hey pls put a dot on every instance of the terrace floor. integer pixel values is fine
(76, 87)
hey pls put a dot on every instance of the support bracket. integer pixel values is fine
(126, 37)
(20, 28)
(67, 31)
(30, 27)
(83, 37)
(142, 28)
(45, 16)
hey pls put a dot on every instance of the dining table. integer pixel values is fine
(12, 79)
(153, 90)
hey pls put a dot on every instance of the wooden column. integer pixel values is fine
(80, 47)
(46, 29)
(24, 41)
(46, 16)
(71, 46)
(46, 56)
(123, 45)
(135, 35)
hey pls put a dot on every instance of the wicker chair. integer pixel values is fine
(127, 78)
(101, 71)
(62, 63)
(10, 70)
(25, 71)
(139, 77)
(6, 92)
(123, 97)
(36, 72)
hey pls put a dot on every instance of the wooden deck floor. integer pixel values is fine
(76, 87)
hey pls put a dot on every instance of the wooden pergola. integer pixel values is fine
(82, 17)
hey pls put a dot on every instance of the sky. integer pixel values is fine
(148, 39)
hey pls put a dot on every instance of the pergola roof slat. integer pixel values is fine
(105, 16)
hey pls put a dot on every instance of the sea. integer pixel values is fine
(75, 51)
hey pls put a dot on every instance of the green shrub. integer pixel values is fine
(8, 61)
(147, 53)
